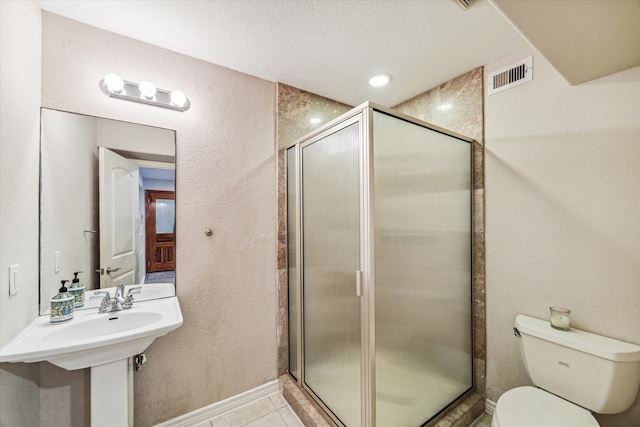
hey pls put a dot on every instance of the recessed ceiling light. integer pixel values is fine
(315, 120)
(380, 80)
(445, 107)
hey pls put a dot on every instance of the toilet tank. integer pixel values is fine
(598, 373)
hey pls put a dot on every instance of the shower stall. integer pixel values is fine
(379, 268)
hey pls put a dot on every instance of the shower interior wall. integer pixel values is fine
(464, 95)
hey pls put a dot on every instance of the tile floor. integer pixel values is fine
(273, 411)
(270, 411)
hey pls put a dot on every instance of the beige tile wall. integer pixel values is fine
(295, 108)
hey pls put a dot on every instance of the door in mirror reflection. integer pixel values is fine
(160, 227)
(70, 236)
(119, 183)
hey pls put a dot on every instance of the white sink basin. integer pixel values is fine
(92, 338)
(102, 326)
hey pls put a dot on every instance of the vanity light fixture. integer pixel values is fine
(114, 83)
(147, 89)
(144, 92)
(380, 80)
(178, 98)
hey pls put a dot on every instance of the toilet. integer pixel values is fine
(574, 371)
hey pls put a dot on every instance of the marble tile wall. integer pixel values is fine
(295, 110)
(456, 105)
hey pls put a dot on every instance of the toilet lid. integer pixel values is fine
(533, 407)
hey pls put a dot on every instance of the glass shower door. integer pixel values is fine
(330, 259)
(422, 240)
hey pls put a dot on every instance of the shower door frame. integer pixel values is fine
(353, 117)
(362, 114)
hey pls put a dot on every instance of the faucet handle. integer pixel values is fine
(128, 301)
(135, 290)
(101, 294)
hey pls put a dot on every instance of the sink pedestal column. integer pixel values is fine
(112, 394)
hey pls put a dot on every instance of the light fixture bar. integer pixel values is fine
(130, 91)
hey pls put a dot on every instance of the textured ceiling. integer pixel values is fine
(326, 47)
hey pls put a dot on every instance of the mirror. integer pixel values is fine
(107, 203)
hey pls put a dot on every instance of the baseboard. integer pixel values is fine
(489, 406)
(215, 409)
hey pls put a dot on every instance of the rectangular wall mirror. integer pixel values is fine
(107, 203)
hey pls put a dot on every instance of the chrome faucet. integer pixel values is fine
(119, 300)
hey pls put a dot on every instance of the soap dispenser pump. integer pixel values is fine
(62, 305)
(76, 290)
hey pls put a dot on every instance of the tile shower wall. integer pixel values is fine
(456, 105)
(295, 110)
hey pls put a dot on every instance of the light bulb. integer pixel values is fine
(178, 98)
(147, 89)
(113, 82)
(315, 120)
(380, 80)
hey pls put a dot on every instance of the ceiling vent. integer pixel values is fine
(511, 76)
(467, 3)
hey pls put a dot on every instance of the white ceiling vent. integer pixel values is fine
(511, 76)
(467, 3)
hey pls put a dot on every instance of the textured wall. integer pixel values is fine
(562, 209)
(20, 47)
(225, 176)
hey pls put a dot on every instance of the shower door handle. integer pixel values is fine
(359, 283)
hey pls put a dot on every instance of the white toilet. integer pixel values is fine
(592, 372)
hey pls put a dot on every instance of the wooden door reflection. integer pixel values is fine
(160, 230)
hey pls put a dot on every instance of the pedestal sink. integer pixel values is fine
(104, 342)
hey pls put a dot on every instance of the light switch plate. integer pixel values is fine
(13, 279)
(58, 255)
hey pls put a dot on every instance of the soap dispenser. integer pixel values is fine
(76, 290)
(62, 305)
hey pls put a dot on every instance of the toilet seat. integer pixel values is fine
(533, 407)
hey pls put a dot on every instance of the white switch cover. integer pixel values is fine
(57, 266)
(13, 279)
